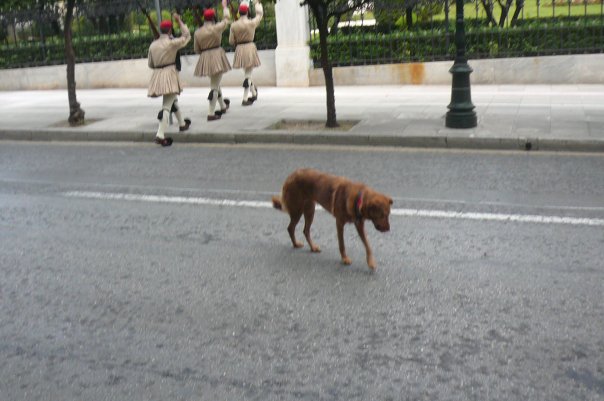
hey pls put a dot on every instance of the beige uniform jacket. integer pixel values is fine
(242, 36)
(212, 58)
(162, 56)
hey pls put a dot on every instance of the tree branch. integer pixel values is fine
(348, 7)
(489, 12)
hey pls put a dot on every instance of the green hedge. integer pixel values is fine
(95, 48)
(529, 39)
(537, 39)
(104, 48)
(359, 47)
(381, 48)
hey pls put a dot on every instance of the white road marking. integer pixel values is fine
(441, 214)
(520, 218)
(166, 199)
(398, 199)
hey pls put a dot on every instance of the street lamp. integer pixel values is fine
(158, 10)
(461, 112)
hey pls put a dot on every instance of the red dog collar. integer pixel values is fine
(358, 204)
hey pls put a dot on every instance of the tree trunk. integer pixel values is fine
(489, 11)
(519, 7)
(409, 17)
(328, 73)
(76, 114)
(504, 13)
(334, 26)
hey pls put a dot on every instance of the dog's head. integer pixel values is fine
(377, 209)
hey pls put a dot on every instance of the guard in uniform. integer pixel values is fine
(246, 54)
(165, 80)
(213, 61)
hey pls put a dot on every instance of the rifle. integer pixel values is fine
(198, 18)
(232, 10)
(151, 23)
(252, 12)
(177, 61)
(156, 32)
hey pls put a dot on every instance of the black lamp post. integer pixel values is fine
(158, 10)
(461, 112)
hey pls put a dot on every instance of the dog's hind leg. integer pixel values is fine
(309, 214)
(291, 229)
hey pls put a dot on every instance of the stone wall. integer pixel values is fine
(552, 70)
(126, 74)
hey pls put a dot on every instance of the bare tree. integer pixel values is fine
(325, 11)
(519, 7)
(505, 7)
(53, 17)
(76, 114)
(387, 12)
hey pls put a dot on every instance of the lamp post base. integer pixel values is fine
(461, 119)
(461, 112)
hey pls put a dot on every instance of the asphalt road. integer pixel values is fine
(121, 280)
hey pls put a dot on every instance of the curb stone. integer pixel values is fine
(315, 138)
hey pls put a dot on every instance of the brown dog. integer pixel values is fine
(347, 201)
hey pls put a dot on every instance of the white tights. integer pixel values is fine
(252, 87)
(168, 101)
(217, 93)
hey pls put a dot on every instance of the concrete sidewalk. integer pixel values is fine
(568, 117)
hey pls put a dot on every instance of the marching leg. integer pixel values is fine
(246, 87)
(253, 89)
(224, 103)
(183, 124)
(212, 98)
(160, 137)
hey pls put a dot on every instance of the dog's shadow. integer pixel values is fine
(302, 259)
(329, 258)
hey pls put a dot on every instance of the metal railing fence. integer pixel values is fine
(103, 30)
(391, 31)
(402, 31)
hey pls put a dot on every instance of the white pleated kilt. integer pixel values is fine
(164, 81)
(212, 62)
(246, 56)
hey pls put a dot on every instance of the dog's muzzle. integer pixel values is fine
(382, 227)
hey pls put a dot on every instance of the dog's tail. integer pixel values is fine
(278, 203)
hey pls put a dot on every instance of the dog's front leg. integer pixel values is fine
(360, 226)
(340, 226)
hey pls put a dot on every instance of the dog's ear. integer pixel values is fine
(390, 201)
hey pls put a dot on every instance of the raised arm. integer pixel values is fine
(259, 13)
(226, 18)
(226, 14)
(185, 36)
